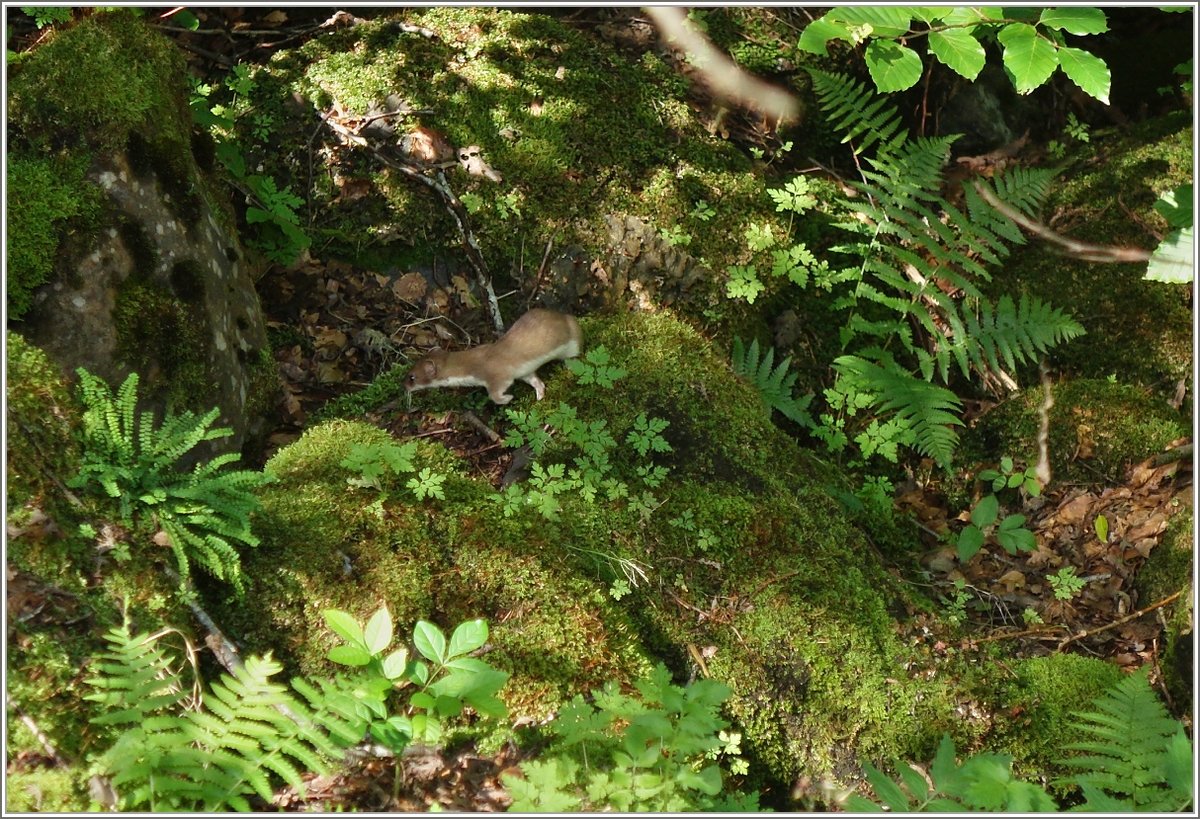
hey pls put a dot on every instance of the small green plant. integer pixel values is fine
(595, 368)
(956, 604)
(278, 233)
(204, 513)
(1077, 130)
(1011, 533)
(675, 236)
(1009, 477)
(438, 684)
(1135, 757)
(653, 751)
(1031, 617)
(774, 382)
(473, 202)
(1066, 583)
(508, 205)
(48, 15)
(373, 461)
(702, 211)
(215, 753)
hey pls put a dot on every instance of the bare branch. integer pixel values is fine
(723, 75)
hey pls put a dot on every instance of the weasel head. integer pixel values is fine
(426, 373)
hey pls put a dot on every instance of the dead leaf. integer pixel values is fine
(275, 18)
(410, 287)
(1012, 580)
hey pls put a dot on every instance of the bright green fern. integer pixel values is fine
(204, 513)
(1136, 758)
(218, 756)
(916, 307)
(774, 383)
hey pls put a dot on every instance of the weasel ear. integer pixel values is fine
(429, 368)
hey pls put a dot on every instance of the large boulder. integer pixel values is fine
(143, 270)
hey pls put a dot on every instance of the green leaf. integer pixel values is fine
(893, 67)
(395, 663)
(958, 50)
(1029, 58)
(885, 21)
(378, 633)
(819, 32)
(1087, 71)
(345, 626)
(422, 700)
(430, 641)
(1102, 528)
(352, 655)
(886, 789)
(1075, 19)
(1016, 540)
(1176, 207)
(984, 513)
(961, 15)
(1173, 260)
(467, 637)
(969, 542)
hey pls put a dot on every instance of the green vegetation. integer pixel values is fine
(47, 201)
(650, 752)
(1136, 759)
(204, 513)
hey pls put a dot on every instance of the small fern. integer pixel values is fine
(930, 410)
(204, 513)
(1136, 757)
(774, 383)
(216, 757)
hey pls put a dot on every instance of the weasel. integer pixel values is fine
(535, 338)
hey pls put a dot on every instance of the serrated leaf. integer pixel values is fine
(1029, 58)
(378, 633)
(394, 663)
(893, 67)
(1075, 19)
(959, 51)
(1173, 261)
(1087, 71)
(886, 789)
(984, 513)
(969, 542)
(430, 641)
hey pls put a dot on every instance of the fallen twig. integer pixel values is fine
(1171, 598)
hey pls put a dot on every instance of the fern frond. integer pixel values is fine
(214, 759)
(1017, 333)
(851, 107)
(1135, 756)
(929, 409)
(775, 383)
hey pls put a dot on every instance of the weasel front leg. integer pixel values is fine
(499, 392)
(535, 382)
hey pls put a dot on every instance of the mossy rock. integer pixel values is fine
(1140, 331)
(749, 563)
(1168, 570)
(1098, 429)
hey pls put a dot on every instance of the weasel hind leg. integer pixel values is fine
(535, 382)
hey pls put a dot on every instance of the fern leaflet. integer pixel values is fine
(774, 383)
(1136, 757)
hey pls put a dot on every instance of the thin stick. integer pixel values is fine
(1171, 598)
(1073, 247)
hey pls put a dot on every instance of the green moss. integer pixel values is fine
(47, 199)
(577, 130)
(1139, 330)
(1098, 429)
(1040, 702)
(1169, 570)
(56, 790)
(99, 80)
(156, 328)
(40, 422)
